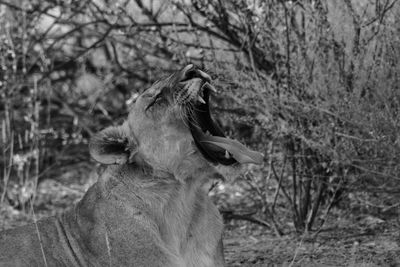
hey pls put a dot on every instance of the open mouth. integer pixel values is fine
(208, 136)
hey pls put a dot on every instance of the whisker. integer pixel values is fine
(183, 115)
(191, 113)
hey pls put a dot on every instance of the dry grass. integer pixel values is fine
(339, 246)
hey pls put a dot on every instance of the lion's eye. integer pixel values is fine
(156, 100)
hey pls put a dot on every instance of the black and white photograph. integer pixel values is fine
(199, 133)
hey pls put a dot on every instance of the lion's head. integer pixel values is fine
(168, 122)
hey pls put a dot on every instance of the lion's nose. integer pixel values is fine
(190, 72)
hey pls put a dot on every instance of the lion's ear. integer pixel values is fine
(112, 146)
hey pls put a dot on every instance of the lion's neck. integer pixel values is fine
(180, 207)
(159, 187)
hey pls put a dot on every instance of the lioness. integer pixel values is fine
(150, 206)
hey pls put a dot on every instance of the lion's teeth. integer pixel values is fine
(205, 76)
(201, 100)
(227, 155)
(208, 133)
(212, 88)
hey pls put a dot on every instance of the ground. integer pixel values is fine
(347, 240)
(339, 246)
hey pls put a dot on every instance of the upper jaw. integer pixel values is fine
(194, 86)
(190, 71)
(196, 90)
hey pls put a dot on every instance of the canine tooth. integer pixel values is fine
(205, 75)
(212, 88)
(208, 133)
(201, 100)
(227, 154)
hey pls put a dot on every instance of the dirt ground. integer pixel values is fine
(347, 240)
(341, 246)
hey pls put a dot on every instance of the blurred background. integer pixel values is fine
(314, 85)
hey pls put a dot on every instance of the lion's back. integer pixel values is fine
(32, 245)
(136, 246)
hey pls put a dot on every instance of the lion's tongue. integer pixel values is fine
(241, 153)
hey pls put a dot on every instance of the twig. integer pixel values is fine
(282, 188)
(279, 183)
(327, 210)
(227, 215)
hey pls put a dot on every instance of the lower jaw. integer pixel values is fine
(211, 152)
